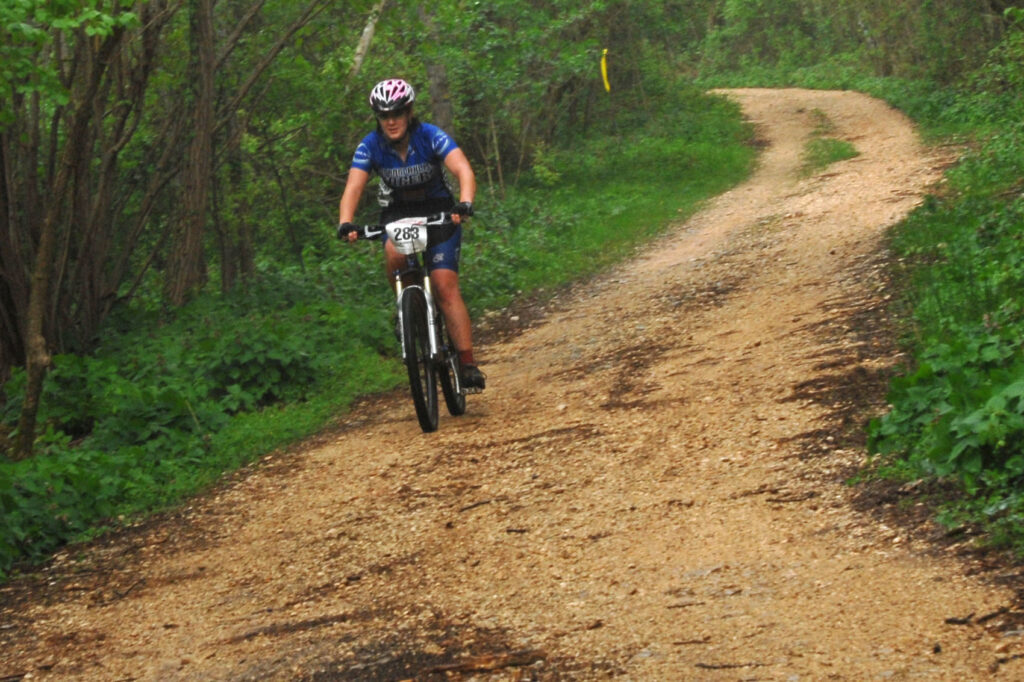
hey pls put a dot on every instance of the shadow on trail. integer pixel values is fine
(440, 649)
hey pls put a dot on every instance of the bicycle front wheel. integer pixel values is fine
(416, 343)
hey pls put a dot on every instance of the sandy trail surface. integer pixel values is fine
(651, 488)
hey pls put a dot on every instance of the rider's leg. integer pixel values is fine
(445, 284)
(392, 261)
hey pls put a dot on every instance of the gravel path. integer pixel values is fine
(651, 487)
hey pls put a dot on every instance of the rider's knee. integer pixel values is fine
(446, 288)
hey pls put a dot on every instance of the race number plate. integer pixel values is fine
(409, 235)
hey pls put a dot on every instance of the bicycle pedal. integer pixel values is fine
(471, 390)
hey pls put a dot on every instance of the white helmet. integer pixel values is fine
(390, 95)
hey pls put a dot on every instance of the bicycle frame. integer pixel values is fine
(434, 347)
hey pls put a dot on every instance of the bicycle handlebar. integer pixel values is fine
(436, 220)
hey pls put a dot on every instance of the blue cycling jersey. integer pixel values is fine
(420, 177)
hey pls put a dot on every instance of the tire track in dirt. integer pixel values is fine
(651, 487)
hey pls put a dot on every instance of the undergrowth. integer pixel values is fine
(958, 410)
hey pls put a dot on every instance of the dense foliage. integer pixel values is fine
(171, 172)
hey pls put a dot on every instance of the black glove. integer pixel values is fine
(345, 229)
(464, 208)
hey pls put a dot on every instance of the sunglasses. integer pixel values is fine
(396, 113)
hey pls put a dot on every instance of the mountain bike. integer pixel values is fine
(427, 349)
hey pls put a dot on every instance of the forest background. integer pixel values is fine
(173, 303)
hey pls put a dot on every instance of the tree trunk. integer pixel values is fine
(37, 356)
(14, 286)
(363, 48)
(187, 267)
(497, 156)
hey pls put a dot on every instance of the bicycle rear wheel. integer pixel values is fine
(416, 342)
(450, 372)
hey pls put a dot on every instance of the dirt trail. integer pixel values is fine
(650, 488)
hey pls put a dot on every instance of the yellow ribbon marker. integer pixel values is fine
(604, 70)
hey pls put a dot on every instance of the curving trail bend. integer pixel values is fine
(651, 488)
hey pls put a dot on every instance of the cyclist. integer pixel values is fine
(409, 156)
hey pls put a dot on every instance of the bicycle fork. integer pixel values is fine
(428, 296)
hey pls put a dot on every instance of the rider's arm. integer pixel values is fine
(457, 163)
(354, 187)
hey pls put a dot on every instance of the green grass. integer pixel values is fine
(822, 152)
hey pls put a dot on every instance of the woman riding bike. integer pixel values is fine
(409, 156)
